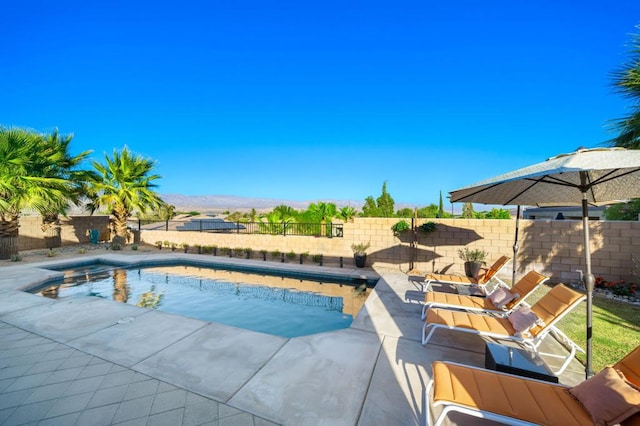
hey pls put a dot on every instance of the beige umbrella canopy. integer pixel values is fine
(597, 176)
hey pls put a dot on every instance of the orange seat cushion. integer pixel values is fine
(529, 400)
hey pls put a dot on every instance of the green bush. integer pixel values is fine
(291, 255)
(401, 226)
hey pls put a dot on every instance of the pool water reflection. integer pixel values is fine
(266, 303)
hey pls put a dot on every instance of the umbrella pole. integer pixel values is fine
(589, 281)
(515, 249)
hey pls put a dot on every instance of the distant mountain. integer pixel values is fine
(218, 203)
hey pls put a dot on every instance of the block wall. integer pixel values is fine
(73, 231)
(552, 247)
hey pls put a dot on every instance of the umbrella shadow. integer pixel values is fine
(444, 235)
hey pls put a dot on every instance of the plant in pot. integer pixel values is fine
(360, 253)
(474, 260)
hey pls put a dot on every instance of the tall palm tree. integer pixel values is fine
(123, 184)
(627, 82)
(66, 168)
(24, 182)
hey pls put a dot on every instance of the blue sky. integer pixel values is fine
(319, 100)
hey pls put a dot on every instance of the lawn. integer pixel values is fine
(616, 328)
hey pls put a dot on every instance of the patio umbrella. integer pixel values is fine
(596, 176)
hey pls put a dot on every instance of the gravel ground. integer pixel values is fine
(76, 250)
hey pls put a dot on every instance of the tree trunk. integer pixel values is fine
(52, 230)
(8, 236)
(8, 247)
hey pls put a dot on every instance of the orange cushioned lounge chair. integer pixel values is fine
(482, 280)
(516, 400)
(490, 304)
(548, 310)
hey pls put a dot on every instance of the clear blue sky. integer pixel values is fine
(319, 100)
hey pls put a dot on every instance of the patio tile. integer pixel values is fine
(99, 416)
(69, 404)
(133, 408)
(29, 413)
(107, 396)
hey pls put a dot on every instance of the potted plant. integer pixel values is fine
(360, 253)
(474, 260)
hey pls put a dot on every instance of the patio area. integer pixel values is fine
(92, 361)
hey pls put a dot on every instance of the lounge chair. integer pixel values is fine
(516, 400)
(491, 304)
(551, 307)
(482, 280)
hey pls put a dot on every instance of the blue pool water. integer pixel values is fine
(265, 303)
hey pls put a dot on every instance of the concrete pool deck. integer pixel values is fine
(93, 361)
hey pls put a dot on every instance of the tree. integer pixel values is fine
(627, 82)
(123, 184)
(467, 211)
(385, 202)
(429, 211)
(383, 206)
(405, 212)
(30, 177)
(441, 207)
(623, 211)
(346, 213)
(72, 179)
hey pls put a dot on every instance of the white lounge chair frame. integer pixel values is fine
(531, 343)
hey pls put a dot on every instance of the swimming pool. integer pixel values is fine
(262, 301)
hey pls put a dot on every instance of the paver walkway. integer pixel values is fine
(43, 382)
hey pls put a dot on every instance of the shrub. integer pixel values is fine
(16, 257)
(82, 250)
(248, 251)
(52, 253)
(401, 226)
(428, 227)
(275, 254)
(134, 247)
(291, 255)
(224, 251)
(317, 258)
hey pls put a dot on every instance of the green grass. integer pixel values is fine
(616, 328)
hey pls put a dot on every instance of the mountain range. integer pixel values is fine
(218, 203)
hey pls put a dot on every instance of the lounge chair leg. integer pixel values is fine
(424, 330)
(424, 311)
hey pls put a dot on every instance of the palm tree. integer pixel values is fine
(25, 182)
(123, 184)
(347, 213)
(627, 82)
(66, 168)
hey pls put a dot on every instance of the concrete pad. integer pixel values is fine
(65, 320)
(388, 314)
(134, 339)
(320, 379)
(215, 361)
(21, 278)
(396, 394)
(15, 300)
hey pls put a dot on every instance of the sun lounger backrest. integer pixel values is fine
(525, 286)
(630, 366)
(493, 270)
(554, 305)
